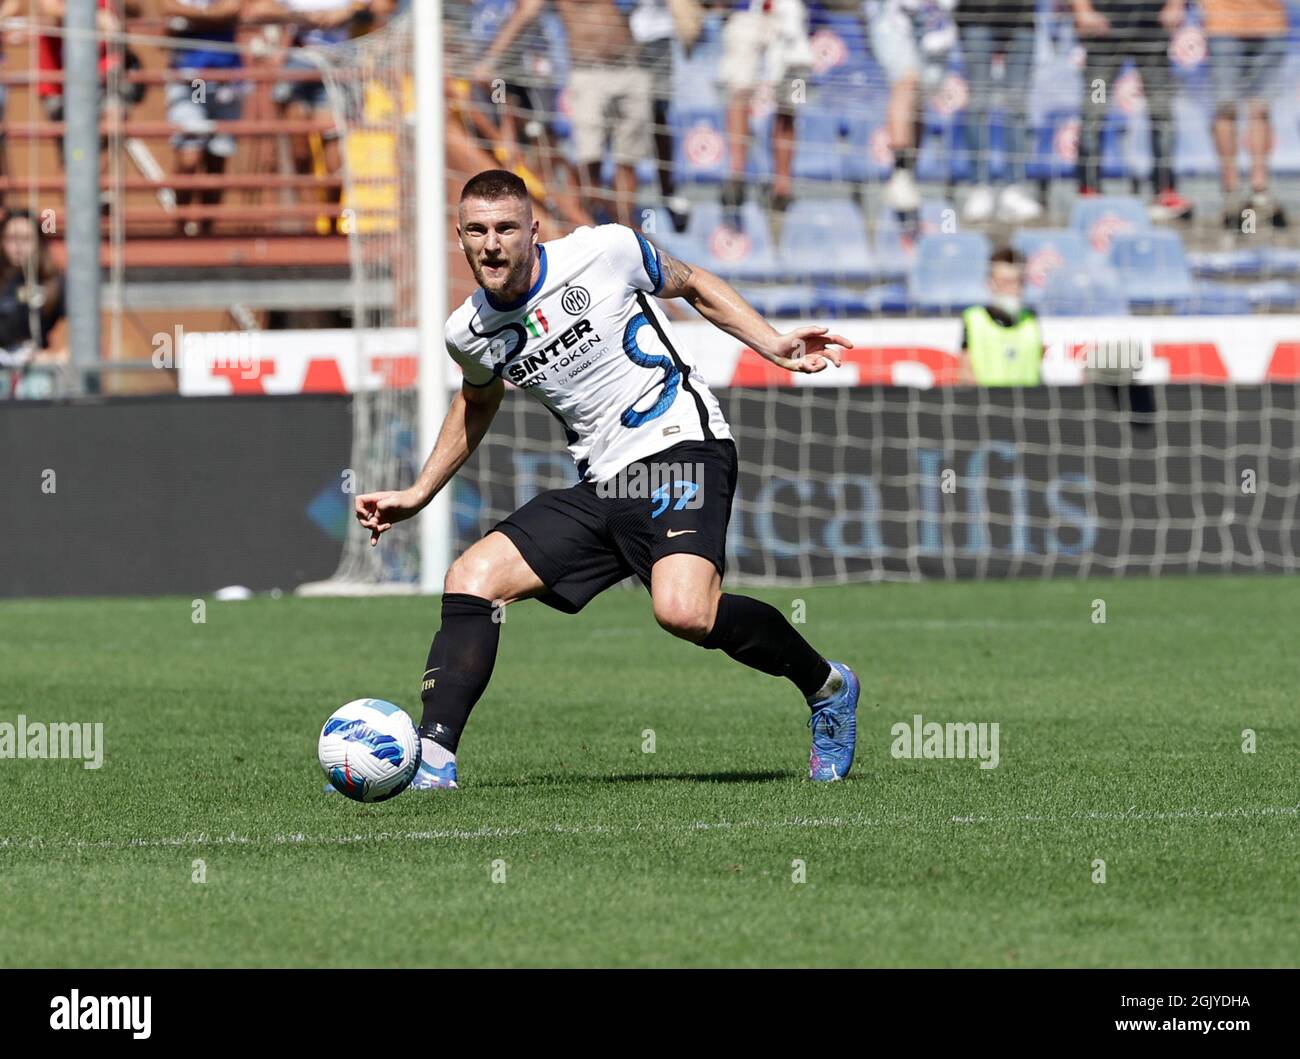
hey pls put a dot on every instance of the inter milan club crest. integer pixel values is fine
(575, 300)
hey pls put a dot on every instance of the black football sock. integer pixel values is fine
(758, 635)
(460, 665)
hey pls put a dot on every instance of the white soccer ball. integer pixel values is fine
(369, 750)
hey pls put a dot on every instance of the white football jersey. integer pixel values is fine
(590, 344)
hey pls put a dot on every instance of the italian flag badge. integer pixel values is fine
(536, 323)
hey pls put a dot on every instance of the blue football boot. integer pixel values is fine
(429, 778)
(834, 725)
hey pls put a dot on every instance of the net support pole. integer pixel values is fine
(81, 164)
(431, 257)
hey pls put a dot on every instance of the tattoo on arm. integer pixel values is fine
(676, 273)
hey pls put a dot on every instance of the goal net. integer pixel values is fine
(1163, 437)
(371, 89)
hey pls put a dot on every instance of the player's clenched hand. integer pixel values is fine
(807, 349)
(378, 512)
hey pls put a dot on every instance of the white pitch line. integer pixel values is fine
(203, 839)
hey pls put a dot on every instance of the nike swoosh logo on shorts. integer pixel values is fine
(678, 533)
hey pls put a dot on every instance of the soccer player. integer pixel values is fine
(572, 323)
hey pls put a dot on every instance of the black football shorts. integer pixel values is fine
(583, 539)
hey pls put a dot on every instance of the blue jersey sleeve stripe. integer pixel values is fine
(650, 258)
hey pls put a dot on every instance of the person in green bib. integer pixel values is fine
(1001, 343)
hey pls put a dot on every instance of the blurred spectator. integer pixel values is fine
(193, 103)
(1003, 28)
(31, 295)
(514, 114)
(8, 9)
(112, 60)
(1001, 343)
(912, 40)
(609, 96)
(655, 25)
(313, 23)
(765, 45)
(1112, 31)
(1248, 45)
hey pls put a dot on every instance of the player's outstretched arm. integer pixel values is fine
(805, 349)
(468, 419)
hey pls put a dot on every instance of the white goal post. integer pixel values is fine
(430, 262)
(387, 94)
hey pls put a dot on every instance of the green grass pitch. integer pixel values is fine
(1119, 742)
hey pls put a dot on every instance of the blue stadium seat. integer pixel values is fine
(1276, 295)
(1065, 241)
(1153, 268)
(1129, 154)
(1047, 250)
(1218, 263)
(1125, 137)
(1053, 146)
(999, 162)
(825, 239)
(1063, 277)
(839, 301)
(1099, 218)
(1080, 292)
(782, 299)
(818, 151)
(895, 247)
(699, 145)
(941, 159)
(1281, 261)
(892, 254)
(842, 39)
(950, 272)
(1050, 146)
(744, 254)
(1221, 299)
(934, 214)
(1194, 153)
(866, 144)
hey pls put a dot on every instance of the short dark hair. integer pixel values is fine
(1007, 255)
(493, 184)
